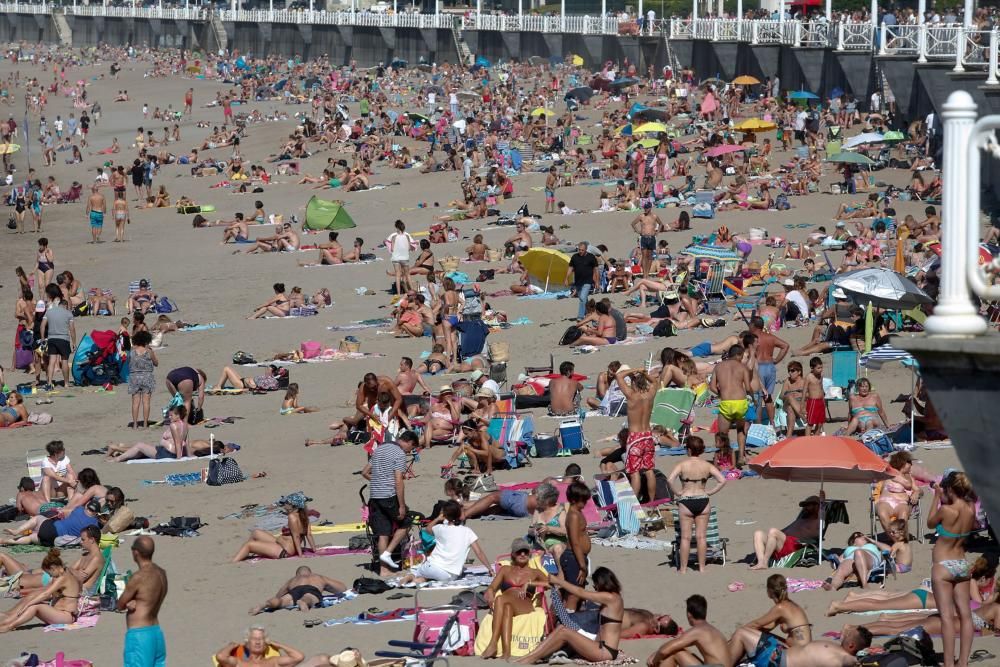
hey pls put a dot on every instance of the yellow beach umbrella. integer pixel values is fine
(7, 149)
(755, 125)
(648, 142)
(577, 60)
(542, 111)
(546, 265)
(650, 128)
(746, 80)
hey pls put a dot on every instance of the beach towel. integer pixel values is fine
(80, 624)
(796, 585)
(564, 294)
(363, 324)
(474, 578)
(183, 458)
(328, 600)
(176, 479)
(367, 618)
(202, 327)
(633, 542)
(319, 553)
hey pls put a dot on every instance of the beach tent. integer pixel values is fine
(330, 215)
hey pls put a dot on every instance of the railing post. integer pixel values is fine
(959, 51)
(715, 30)
(840, 36)
(754, 33)
(922, 43)
(798, 33)
(991, 73)
(882, 40)
(954, 314)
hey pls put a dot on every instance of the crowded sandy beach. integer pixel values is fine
(587, 364)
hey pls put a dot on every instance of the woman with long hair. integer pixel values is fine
(299, 539)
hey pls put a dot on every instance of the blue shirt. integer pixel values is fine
(75, 523)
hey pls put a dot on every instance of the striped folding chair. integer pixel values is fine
(34, 458)
(716, 544)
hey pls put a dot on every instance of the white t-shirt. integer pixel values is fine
(399, 245)
(453, 99)
(60, 468)
(800, 121)
(452, 547)
(796, 297)
(431, 98)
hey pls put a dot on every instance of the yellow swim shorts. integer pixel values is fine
(733, 411)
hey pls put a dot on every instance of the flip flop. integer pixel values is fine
(312, 622)
(399, 596)
(981, 655)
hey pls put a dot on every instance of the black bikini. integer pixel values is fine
(695, 504)
(604, 620)
(298, 592)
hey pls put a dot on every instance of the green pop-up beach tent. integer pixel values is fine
(323, 214)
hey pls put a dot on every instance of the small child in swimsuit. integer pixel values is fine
(723, 460)
(290, 404)
(901, 551)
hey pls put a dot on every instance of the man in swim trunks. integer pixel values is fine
(639, 389)
(96, 208)
(731, 382)
(304, 590)
(767, 359)
(823, 653)
(702, 635)
(647, 225)
(144, 594)
(551, 179)
(371, 386)
(777, 543)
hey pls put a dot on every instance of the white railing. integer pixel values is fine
(941, 41)
(814, 33)
(855, 36)
(899, 40)
(22, 8)
(583, 25)
(170, 13)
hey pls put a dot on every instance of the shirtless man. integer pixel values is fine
(285, 240)
(29, 498)
(777, 543)
(254, 652)
(647, 225)
(407, 379)
(371, 386)
(141, 600)
(703, 636)
(97, 206)
(823, 653)
(731, 382)
(564, 392)
(767, 343)
(639, 389)
(304, 590)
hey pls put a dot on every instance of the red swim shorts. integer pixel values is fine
(815, 411)
(791, 545)
(640, 452)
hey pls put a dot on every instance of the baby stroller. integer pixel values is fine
(409, 550)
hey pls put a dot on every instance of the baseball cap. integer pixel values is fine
(520, 544)
(841, 224)
(40, 306)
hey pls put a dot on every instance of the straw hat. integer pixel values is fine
(349, 658)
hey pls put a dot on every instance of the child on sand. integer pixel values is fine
(575, 560)
(723, 460)
(791, 395)
(290, 404)
(815, 405)
(901, 550)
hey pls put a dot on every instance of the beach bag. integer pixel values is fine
(242, 359)
(120, 520)
(27, 338)
(8, 513)
(481, 484)
(370, 586)
(224, 470)
(781, 202)
(499, 351)
(164, 305)
(546, 446)
(570, 336)
(310, 349)
(23, 358)
(196, 416)
(878, 441)
(761, 435)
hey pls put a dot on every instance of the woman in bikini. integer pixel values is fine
(603, 647)
(424, 265)
(512, 593)
(865, 601)
(172, 445)
(953, 518)
(13, 412)
(861, 556)
(900, 493)
(331, 252)
(56, 603)
(694, 499)
(549, 527)
(46, 263)
(477, 251)
(277, 306)
(866, 409)
(295, 544)
(755, 638)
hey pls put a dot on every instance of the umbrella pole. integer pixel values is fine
(913, 420)
(822, 517)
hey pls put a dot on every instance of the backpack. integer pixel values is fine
(164, 305)
(664, 329)
(242, 358)
(473, 303)
(571, 335)
(878, 441)
(370, 585)
(781, 202)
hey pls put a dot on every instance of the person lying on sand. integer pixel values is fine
(86, 568)
(172, 445)
(304, 590)
(299, 540)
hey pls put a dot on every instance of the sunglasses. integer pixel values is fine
(522, 551)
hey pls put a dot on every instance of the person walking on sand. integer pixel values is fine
(120, 212)
(551, 179)
(770, 351)
(189, 101)
(97, 206)
(399, 244)
(731, 383)
(144, 594)
(647, 225)
(639, 390)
